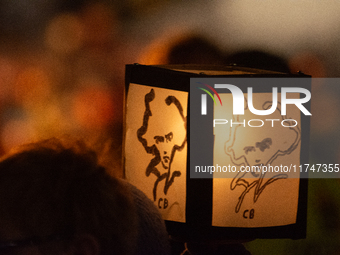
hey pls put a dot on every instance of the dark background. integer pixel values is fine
(62, 67)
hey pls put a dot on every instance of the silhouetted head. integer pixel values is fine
(56, 198)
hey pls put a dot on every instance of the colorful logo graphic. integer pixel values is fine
(204, 97)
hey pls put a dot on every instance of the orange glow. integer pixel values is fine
(15, 133)
(93, 107)
(157, 52)
(7, 76)
(308, 63)
(32, 85)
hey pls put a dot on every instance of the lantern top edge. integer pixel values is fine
(219, 70)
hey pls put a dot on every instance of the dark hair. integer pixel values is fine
(58, 187)
(196, 49)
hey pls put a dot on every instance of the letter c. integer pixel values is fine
(159, 203)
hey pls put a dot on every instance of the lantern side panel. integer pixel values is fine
(156, 146)
(258, 185)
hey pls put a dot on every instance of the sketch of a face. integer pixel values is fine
(165, 145)
(257, 148)
(254, 153)
(162, 134)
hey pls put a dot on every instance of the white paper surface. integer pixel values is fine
(156, 146)
(267, 199)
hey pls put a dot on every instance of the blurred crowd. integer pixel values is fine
(62, 71)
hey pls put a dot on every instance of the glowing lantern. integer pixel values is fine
(219, 149)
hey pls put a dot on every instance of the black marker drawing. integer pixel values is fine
(261, 151)
(163, 146)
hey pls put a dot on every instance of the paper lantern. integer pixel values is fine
(219, 149)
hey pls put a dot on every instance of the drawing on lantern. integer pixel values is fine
(255, 151)
(162, 134)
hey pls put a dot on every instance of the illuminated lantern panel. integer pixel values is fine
(267, 142)
(157, 146)
(219, 163)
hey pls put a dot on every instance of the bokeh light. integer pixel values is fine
(16, 132)
(93, 107)
(64, 33)
(32, 85)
